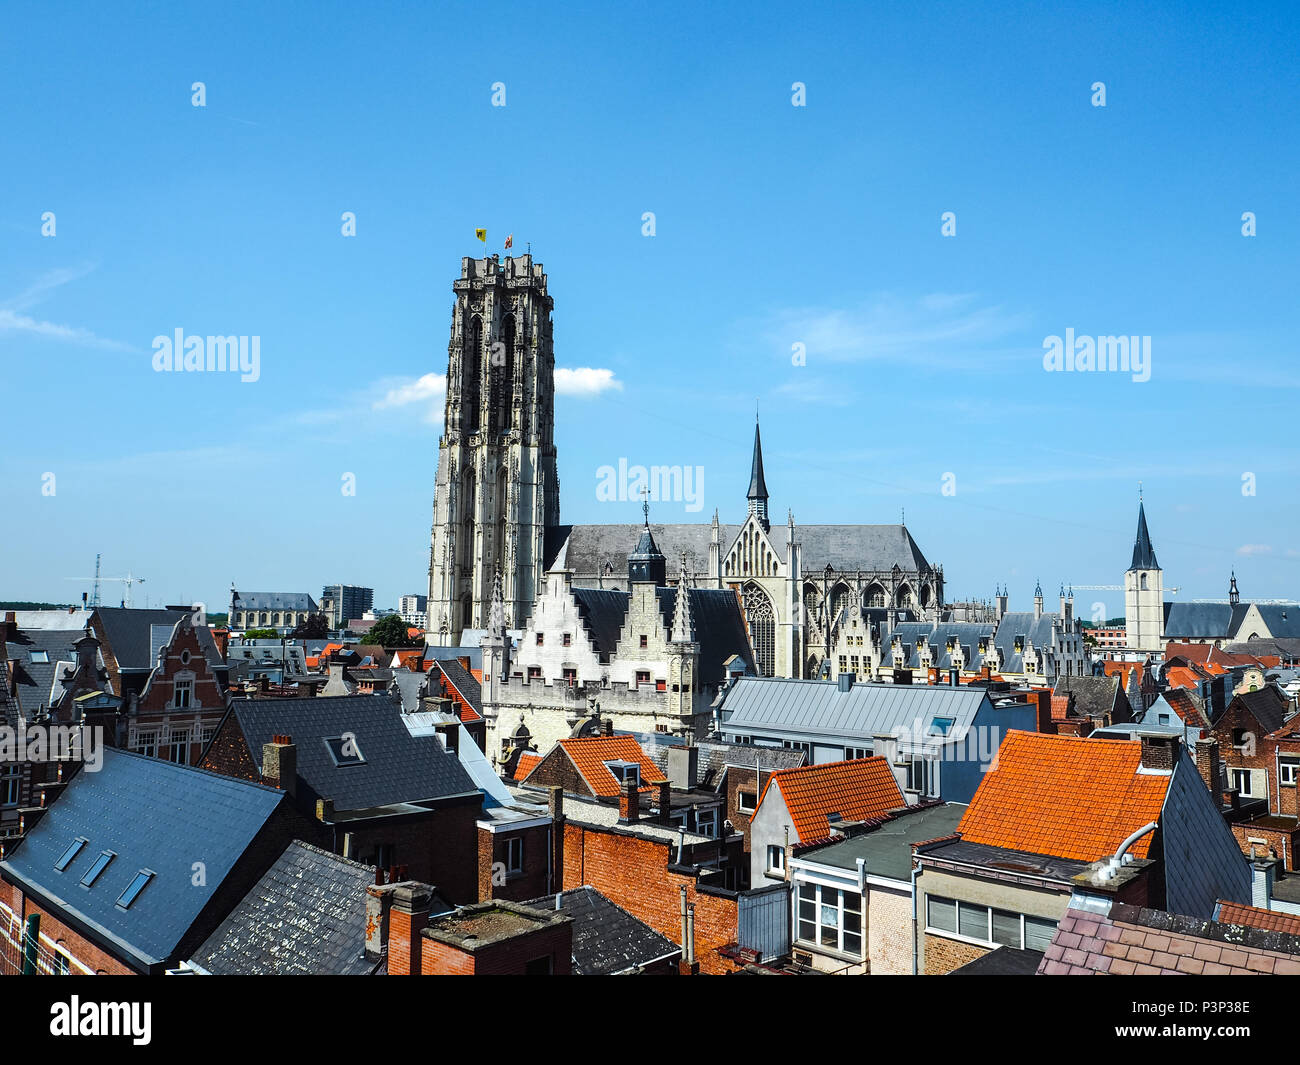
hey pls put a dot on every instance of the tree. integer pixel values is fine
(313, 627)
(391, 631)
(261, 634)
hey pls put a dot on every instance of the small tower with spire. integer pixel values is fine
(646, 564)
(683, 660)
(757, 485)
(1234, 596)
(1038, 600)
(1144, 591)
(495, 644)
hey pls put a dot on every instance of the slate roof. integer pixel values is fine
(1268, 706)
(1283, 620)
(1195, 620)
(1065, 797)
(35, 680)
(967, 635)
(860, 790)
(128, 631)
(715, 757)
(1141, 942)
(606, 938)
(589, 755)
(818, 708)
(1144, 555)
(717, 624)
(305, 917)
(276, 601)
(464, 682)
(1004, 961)
(1093, 696)
(1022, 623)
(397, 767)
(589, 549)
(153, 815)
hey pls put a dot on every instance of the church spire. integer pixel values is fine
(1144, 556)
(682, 610)
(1234, 596)
(757, 485)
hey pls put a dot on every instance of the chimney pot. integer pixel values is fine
(629, 804)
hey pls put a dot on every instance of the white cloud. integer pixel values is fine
(937, 329)
(428, 391)
(1254, 549)
(12, 321)
(585, 381)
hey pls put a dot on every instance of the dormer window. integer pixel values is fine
(625, 772)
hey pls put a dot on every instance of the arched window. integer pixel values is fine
(1144, 582)
(472, 373)
(876, 596)
(762, 629)
(503, 378)
(904, 596)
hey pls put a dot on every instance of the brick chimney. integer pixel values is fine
(1210, 768)
(629, 804)
(555, 800)
(665, 802)
(1061, 706)
(608, 726)
(1159, 752)
(379, 904)
(280, 764)
(407, 918)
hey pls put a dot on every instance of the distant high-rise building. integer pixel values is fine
(345, 602)
(414, 609)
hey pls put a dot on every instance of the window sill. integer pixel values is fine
(827, 952)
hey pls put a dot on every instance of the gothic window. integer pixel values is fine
(762, 629)
(904, 596)
(876, 596)
(925, 595)
(474, 375)
(1144, 582)
(810, 604)
(839, 596)
(502, 373)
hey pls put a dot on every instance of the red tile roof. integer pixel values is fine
(1254, 917)
(590, 754)
(527, 762)
(1064, 796)
(859, 790)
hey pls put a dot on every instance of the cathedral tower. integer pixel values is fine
(497, 489)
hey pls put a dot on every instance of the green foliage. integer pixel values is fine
(391, 632)
(261, 634)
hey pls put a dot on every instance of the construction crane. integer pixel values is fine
(1119, 588)
(128, 580)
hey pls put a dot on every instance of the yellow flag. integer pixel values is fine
(481, 234)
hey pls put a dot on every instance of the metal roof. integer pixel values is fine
(819, 708)
(887, 850)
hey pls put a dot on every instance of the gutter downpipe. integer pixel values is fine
(916, 871)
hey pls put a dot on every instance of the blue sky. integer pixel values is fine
(775, 225)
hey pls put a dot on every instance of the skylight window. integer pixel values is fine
(100, 864)
(625, 772)
(344, 750)
(942, 725)
(74, 848)
(41, 658)
(134, 888)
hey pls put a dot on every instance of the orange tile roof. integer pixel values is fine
(590, 754)
(859, 790)
(410, 659)
(1064, 796)
(1111, 668)
(1254, 917)
(527, 762)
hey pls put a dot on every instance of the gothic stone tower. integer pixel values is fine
(497, 489)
